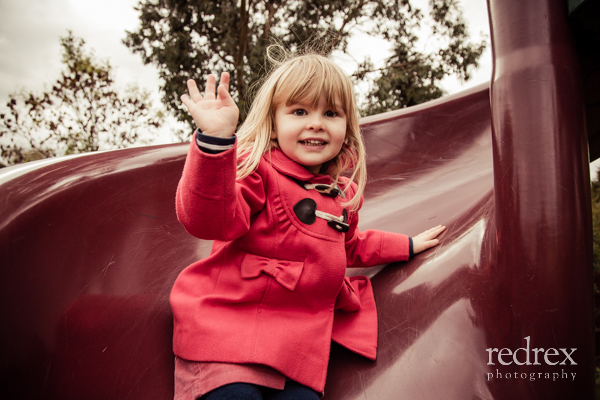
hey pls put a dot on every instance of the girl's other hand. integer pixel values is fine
(214, 115)
(427, 239)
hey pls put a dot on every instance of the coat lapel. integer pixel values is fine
(291, 168)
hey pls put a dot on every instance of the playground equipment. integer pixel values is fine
(90, 247)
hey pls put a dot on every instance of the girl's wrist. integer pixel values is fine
(218, 134)
(213, 144)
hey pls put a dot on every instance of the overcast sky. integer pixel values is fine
(30, 31)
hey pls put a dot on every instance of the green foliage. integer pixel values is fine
(190, 39)
(82, 112)
(412, 77)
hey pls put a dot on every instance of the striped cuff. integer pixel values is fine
(213, 145)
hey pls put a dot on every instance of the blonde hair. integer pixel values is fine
(302, 78)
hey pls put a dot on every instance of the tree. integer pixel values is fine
(411, 77)
(190, 39)
(82, 112)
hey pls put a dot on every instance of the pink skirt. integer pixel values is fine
(194, 379)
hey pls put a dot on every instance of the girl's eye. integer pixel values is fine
(330, 114)
(299, 112)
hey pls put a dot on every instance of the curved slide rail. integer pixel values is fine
(90, 247)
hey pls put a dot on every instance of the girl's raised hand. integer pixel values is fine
(214, 115)
(427, 239)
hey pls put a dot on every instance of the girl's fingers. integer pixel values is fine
(427, 239)
(433, 232)
(209, 90)
(225, 97)
(430, 243)
(224, 80)
(438, 230)
(193, 90)
(432, 229)
(223, 90)
(185, 99)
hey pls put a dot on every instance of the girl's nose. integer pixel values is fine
(316, 122)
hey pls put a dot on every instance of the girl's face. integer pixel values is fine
(309, 135)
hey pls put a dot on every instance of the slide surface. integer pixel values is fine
(91, 247)
(501, 309)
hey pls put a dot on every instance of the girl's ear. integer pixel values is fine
(273, 134)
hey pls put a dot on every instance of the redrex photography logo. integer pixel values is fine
(531, 356)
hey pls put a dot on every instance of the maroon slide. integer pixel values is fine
(502, 309)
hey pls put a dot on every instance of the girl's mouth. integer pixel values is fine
(313, 142)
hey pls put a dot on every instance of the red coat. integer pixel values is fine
(273, 291)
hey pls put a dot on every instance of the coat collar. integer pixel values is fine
(291, 168)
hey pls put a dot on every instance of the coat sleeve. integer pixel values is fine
(373, 247)
(210, 203)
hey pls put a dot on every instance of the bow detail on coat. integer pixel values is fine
(286, 273)
(348, 300)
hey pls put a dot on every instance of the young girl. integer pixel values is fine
(256, 318)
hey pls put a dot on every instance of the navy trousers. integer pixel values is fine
(247, 391)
